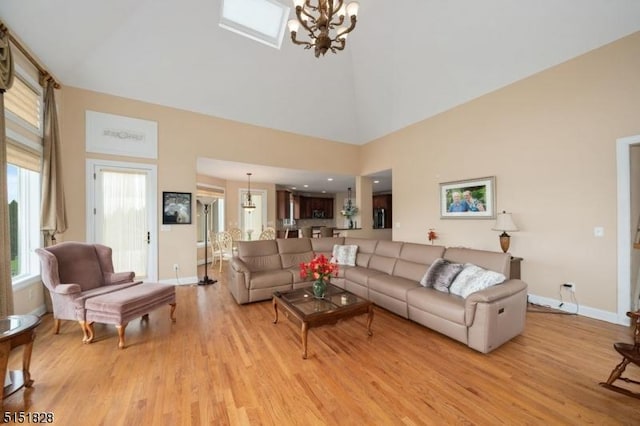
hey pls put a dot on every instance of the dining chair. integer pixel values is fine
(630, 354)
(268, 234)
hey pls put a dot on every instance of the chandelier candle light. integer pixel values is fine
(324, 24)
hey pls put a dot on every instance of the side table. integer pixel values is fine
(515, 268)
(16, 330)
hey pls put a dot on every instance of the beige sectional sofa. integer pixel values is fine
(389, 273)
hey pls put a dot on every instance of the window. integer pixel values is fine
(24, 221)
(23, 113)
(260, 20)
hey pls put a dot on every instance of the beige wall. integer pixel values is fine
(183, 137)
(550, 141)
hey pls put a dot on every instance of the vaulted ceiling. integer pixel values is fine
(406, 60)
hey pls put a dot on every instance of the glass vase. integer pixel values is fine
(319, 289)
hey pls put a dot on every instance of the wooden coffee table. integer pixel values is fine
(301, 307)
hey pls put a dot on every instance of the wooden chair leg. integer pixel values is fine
(56, 326)
(172, 314)
(121, 329)
(87, 329)
(616, 375)
(617, 372)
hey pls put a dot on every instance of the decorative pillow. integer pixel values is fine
(474, 278)
(344, 255)
(441, 274)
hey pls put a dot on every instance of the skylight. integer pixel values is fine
(260, 20)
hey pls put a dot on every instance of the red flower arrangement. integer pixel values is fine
(432, 235)
(318, 269)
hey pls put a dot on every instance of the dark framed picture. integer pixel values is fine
(176, 208)
(468, 199)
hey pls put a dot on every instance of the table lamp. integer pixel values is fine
(504, 223)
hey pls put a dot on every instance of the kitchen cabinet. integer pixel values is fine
(316, 207)
(283, 201)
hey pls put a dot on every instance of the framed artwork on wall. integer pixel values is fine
(468, 199)
(176, 208)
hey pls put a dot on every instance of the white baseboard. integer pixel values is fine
(574, 308)
(39, 311)
(181, 281)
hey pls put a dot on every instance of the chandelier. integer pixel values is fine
(248, 202)
(319, 19)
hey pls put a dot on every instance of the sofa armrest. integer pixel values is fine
(491, 295)
(111, 278)
(496, 292)
(239, 279)
(68, 289)
(238, 265)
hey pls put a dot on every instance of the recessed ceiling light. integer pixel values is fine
(306, 186)
(330, 179)
(293, 187)
(376, 181)
(324, 192)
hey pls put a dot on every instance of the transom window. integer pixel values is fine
(260, 20)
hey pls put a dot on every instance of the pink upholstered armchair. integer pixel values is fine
(74, 272)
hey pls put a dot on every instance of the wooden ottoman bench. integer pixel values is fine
(120, 307)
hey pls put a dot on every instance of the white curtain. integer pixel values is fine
(124, 224)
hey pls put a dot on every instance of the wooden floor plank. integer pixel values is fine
(226, 364)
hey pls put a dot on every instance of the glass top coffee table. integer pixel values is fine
(301, 307)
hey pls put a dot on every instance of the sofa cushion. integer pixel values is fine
(261, 255)
(344, 254)
(294, 251)
(391, 286)
(443, 305)
(441, 274)
(267, 279)
(385, 256)
(360, 275)
(474, 278)
(366, 247)
(492, 260)
(415, 259)
(325, 245)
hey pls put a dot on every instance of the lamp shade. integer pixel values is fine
(504, 222)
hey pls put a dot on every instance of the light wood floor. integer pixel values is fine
(222, 363)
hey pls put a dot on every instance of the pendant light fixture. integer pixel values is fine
(248, 202)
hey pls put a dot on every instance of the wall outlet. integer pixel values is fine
(176, 267)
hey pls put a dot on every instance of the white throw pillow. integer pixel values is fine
(474, 278)
(344, 255)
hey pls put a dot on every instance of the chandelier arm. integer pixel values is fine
(339, 5)
(303, 22)
(330, 11)
(340, 41)
(309, 5)
(354, 20)
(338, 23)
(302, 43)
